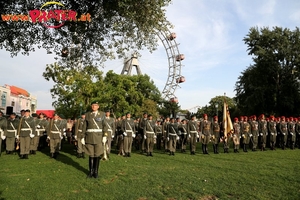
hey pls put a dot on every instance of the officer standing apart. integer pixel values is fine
(26, 132)
(92, 137)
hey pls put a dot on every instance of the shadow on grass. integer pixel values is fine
(1, 198)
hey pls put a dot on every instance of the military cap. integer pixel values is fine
(13, 113)
(236, 119)
(145, 113)
(82, 113)
(27, 110)
(215, 117)
(41, 113)
(183, 120)
(107, 110)
(128, 113)
(204, 115)
(55, 115)
(193, 116)
(150, 115)
(34, 115)
(94, 102)
(22, 110)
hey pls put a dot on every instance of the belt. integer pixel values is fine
(130, 131)
(173, 134)
(55, 132)
(149, 132)
(193, 131)
(26, 129)
(11, 131)
(79, 130)
(93, 130)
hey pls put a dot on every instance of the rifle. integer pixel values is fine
(49, 132)
(18, 133)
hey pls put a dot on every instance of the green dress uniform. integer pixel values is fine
(128, 129)
(142, 124)
(254, 134)
(3, 130)
(284, 133)
(263, 133)
(39, 131)
(92, 136)
(78, 136)
(246, 134)
(54, 133)
(108, 130)
(149, 132)
(172, 134)
(215, 139)
(236, 136)
(206, 130)
(120, 138)
(12, 126)
(183, 136)
(298, 133)
(159, 133)
(273, 133)
(192, 130)
(41, 124)
(27, 131)
(292, 134)
(165, 136)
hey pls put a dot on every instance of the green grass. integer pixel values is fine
(252, 175)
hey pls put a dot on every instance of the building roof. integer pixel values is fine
(18, 91)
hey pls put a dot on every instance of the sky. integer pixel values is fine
(209, 33)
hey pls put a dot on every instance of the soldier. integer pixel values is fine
(69, 130)
(109, 128)
(3, 129)
(12, 126)
(246, 133)
(183, 135)
(273, 132)
(141, 132)
(54, 131)
(283, 127)
(41, 124)
(78, 136)
(192, 130)
(236, 135)
(26, 131)
(215, 134)
(34, 142)
(120, 136)
(128, 130)
(206, 130)
(92, 138)
(158, 130)
(149, 132)
(254, 132)
(291, 131)
(263, 132)
(172, 134)
(165, 130)
(298, 133)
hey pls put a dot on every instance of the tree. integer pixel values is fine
(116, 26)
(271, 84)
(168, 108)
(76, 87)
(215, 107)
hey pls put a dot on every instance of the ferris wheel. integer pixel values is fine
(174, 58)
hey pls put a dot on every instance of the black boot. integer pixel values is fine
(22, 156)
(82, 155)
(96, 166)
(26, 156)
(55, 155)
(205, 147)
(79, 155)
(151, 154)
(51, 155)
(128, 154)
(33, 152)
(91, 167)
(217, 148)
(214, 146)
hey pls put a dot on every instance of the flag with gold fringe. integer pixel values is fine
(227, 123)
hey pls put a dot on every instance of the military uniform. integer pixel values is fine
(254, 133)
(263, 132)
(149, 132)
(120, 137)
(26, 132)
(192, 131)
(128, 129)
(3, 129)
(41, 124)
(283, 127)
(165, 136)
(292, 133)
(246, 134)
(158, 129)
(172, 134)
(12, 128)
(273, 132)
(142, 124)
(55, 132)
(78, 136)
(297, 127)
(183, 135)
(215, 139)
(206, 130)
(236, 135)
(108, 129)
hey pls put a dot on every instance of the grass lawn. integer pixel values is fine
(252, 175)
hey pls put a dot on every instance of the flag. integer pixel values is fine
(227, 123)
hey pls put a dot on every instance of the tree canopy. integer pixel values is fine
(76, 88)
(116, 26)
(271, 84)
